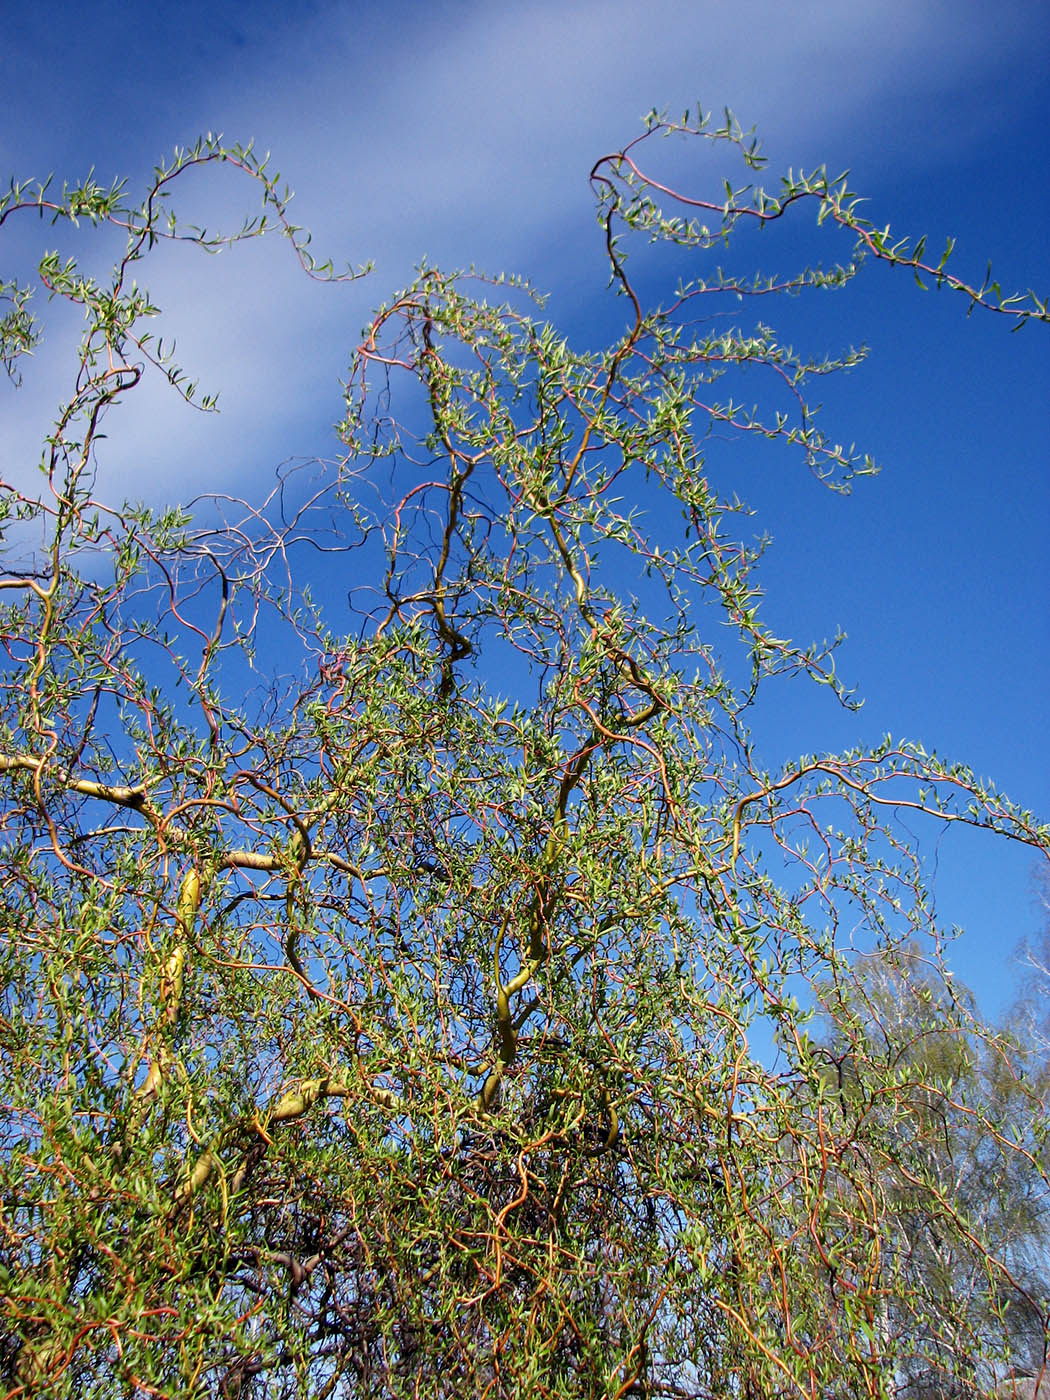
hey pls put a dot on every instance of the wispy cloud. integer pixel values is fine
(465, 132)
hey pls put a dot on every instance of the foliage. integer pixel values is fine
(1032, 1010)
(430, 1016)
(960, 1121)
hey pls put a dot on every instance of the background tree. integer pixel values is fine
(1030, 1012)
(389, 1002)
(961, 1118)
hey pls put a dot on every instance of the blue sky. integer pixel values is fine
(464, 132)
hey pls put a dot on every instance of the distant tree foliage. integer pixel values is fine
(414, 984)
(970, 1217)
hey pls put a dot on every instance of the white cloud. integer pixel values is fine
(465, 133)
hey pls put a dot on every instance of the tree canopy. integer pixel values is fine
(413, 981)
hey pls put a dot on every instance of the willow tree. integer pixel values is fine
(408, 1001)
